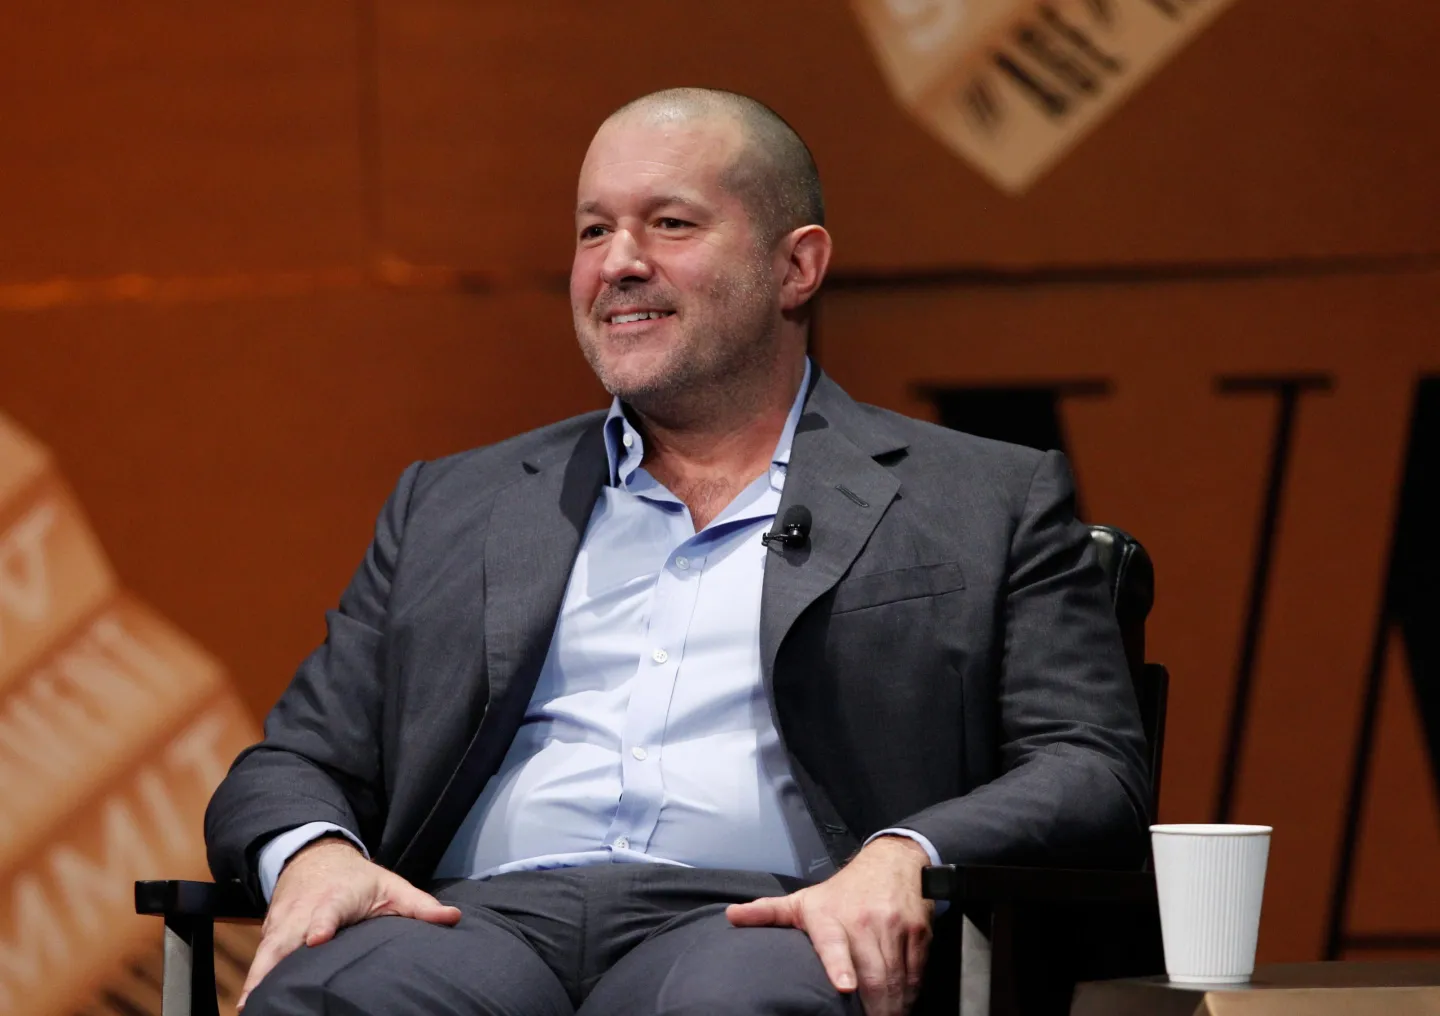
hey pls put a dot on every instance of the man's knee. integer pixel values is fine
(334, 979)
(280, 996)
(753, 970)
(395, 966)
(300, 985)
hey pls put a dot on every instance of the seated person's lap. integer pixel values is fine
(605, 940)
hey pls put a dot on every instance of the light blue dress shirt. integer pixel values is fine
(649, 736)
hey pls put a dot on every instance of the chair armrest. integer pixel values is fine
(1029, 935)
(219, 901)
(995, 884)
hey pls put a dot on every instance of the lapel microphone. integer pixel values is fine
(794, 530)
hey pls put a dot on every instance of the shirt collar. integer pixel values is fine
(625, 449)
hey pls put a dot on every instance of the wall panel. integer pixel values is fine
(1290, 128)
(233, 456)
(235, 375)
(179, 139)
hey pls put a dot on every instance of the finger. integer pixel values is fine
(917, 950)
(325, 920)
(273, 948)
(440, 913)
(770, 911)
(879, 959)
(423, 907)
(404, 900)
(832, 945)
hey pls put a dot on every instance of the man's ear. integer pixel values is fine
(807, 259)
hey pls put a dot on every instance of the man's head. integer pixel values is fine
(700, 210)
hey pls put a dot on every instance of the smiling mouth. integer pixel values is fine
(639, 315)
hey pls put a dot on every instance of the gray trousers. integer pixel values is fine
(599, 941)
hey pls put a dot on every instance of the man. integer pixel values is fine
(645, 759)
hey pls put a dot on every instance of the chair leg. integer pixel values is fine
(189, 984)
(988, 973)
(975, 955)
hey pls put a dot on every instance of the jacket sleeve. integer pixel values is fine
(1073, 788)
(320, 760)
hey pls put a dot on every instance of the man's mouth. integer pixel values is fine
(637, 315)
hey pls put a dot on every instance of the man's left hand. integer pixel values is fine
(868, 922)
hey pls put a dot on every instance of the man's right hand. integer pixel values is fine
(326, 886)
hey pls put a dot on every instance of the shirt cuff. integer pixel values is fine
(277, 853)
(910, 834)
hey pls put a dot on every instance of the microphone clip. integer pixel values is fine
(794, 530)
(790, 537)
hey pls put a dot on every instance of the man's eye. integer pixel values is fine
(669, 223)
(592, 232)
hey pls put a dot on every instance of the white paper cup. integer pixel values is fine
(1210, 879)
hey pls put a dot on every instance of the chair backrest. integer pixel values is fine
(1131, 577)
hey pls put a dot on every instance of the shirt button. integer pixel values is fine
(628, 440)
(682, 563)
(640, 753)
(659, 656)
(622, 843)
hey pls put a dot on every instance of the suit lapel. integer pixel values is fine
(835, 475)
(832, 472)
(534, 534)
(531, 540)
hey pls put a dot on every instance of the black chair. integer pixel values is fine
(1017, 941)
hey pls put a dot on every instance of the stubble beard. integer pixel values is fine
(717, 366)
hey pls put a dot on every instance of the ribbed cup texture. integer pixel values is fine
(1210, 885)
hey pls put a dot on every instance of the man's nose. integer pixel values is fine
(625, 260)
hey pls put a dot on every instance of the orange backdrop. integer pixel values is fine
(258, 257)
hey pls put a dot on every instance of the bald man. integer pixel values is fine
(663, 708)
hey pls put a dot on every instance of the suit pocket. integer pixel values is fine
(896, 585)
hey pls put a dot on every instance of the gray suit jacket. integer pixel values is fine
(941, 656)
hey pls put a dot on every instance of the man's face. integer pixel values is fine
(669, 288)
